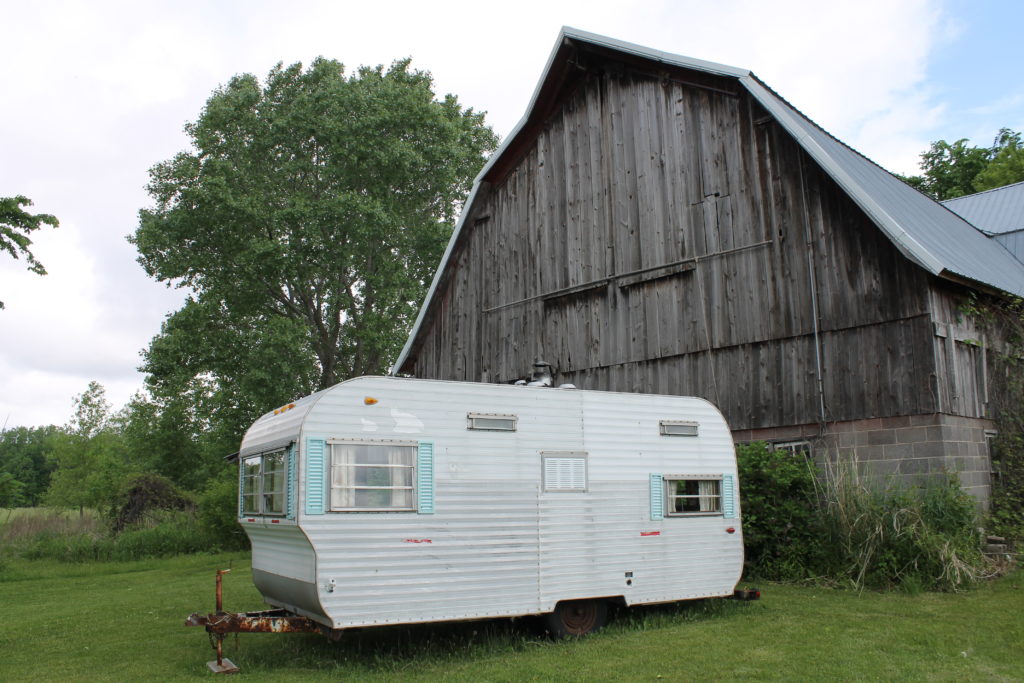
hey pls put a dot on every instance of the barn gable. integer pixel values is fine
(665, 225)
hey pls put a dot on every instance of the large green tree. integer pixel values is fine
(950, 170)
(307, 221)
(16, 225)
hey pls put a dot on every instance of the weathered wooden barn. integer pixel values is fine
(667, 225)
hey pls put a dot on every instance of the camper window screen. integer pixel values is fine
(678, 428)
(697, 496)
(263, 484)
(491, 423)
(378, 476)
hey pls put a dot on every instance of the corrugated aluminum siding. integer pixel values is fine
(496, 543)
(277, 430)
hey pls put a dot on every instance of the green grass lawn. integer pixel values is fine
(124, 621)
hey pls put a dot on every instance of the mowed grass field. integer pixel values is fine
(124, 621)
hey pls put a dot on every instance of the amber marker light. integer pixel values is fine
(369, 400)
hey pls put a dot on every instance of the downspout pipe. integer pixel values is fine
(812, 277)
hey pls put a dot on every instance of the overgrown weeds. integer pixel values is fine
(837, 526)
(883, 535)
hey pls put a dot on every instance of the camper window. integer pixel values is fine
(372, 476)
(678, 428)
(263, 485)
(693, 495)
(490, 422)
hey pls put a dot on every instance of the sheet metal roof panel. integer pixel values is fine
(924, 230)
(1013, 241)
(996, 211)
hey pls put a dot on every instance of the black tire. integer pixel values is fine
(575, 618)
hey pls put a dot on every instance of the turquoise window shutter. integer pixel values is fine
(291, 483)
(657, 497)
(241, 484)
(728, 496)
(316, 480)
(425, 478)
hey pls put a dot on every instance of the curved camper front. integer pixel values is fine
(283, 560)
(411, 500)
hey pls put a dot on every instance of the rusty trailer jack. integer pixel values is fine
(222, 623)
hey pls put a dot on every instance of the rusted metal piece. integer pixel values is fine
(269, 621)
(221, 623)
(220, 588)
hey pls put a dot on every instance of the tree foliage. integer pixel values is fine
(951, 170)
(24, 457)
(1006, 165)
(89, 456)
(16, 225)
(307, 221)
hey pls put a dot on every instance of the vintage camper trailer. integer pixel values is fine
(385, 500)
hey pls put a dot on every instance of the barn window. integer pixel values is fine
(374, 476)
(491, 422)
(678, 428)
(564, 471)
(692, 495)
(263, 484)
(793, 447)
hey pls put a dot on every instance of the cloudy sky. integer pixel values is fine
(95, 93)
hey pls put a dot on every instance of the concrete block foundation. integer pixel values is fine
(902, 450)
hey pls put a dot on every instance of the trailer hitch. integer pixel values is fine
(221, 623)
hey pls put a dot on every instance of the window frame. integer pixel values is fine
(665, 428)
(411, 468)
(259, 478)
(473, 418)
(668, 508)
(795, 447)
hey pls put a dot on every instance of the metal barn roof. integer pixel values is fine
(1013, 241)
(994, 211)
(926, 232)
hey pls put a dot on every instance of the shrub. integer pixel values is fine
(781, 523)
(144, 494)
(218, 511)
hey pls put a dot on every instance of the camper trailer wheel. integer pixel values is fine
(576, 618)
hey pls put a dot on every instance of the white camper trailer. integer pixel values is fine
(385, 500)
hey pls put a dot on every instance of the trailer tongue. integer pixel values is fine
(221, 623)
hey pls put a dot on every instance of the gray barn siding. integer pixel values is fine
(655, 238)
(960, 350)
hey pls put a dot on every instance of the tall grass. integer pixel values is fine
(49, 534)
(833, 524)
(882, 534)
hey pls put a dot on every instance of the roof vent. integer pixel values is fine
(541, 376)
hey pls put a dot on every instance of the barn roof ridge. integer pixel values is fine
(926, 232)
